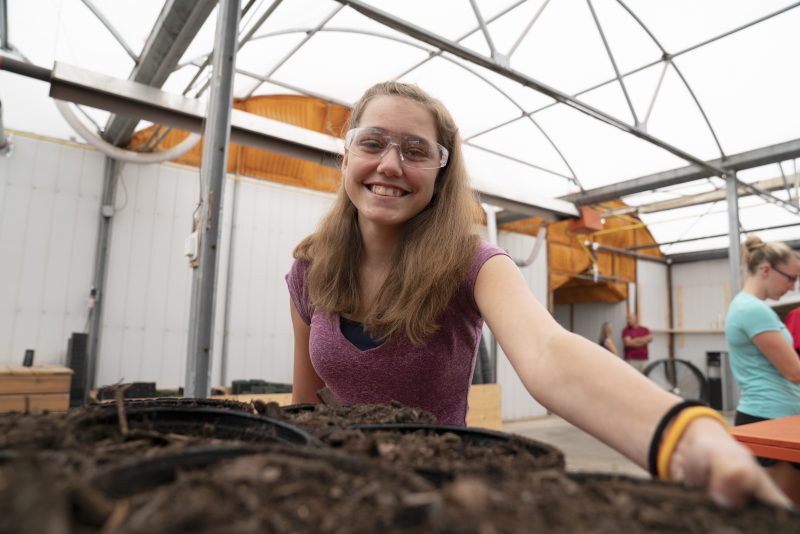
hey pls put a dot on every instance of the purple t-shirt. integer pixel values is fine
(435, 376)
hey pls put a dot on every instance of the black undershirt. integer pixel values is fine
(354, 333)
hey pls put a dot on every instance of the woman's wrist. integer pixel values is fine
(677, 430)
(697, 441)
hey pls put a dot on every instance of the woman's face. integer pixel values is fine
(782, 277)
(385, 191)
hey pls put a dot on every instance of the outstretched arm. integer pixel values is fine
(600, 394)
(305, 382)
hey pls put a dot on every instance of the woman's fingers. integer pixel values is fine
(735, 483)
(708, 456)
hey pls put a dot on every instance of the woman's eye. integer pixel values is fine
(416, 153)
(371, 144)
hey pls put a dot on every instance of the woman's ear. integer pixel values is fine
(344, 160)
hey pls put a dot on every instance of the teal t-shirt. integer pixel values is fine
(764, 391)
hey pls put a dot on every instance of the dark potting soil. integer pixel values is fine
(365, 481)
(289, 491)
(86, 440)
(442, 453)
(320, 419)
(561, 503)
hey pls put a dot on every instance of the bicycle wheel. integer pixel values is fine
(679, 377)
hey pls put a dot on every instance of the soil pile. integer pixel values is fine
(120, 468)
(321, 419)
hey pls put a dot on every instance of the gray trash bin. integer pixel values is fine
(723, 392)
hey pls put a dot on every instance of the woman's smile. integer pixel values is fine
(386, 190)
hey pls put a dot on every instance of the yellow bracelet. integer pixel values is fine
(676, 432)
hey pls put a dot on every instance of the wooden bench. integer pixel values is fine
(776, 438)
(42, 387)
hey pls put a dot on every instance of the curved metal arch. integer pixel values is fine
(112, 30)
(613, 62)
(668, 59)
(309, 34)
(573, 178)
(650, 64)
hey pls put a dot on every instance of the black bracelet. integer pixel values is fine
(655, 443)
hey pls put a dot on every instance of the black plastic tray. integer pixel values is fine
(217, 423)
(145, 474)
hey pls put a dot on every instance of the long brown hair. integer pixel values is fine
(432, 255)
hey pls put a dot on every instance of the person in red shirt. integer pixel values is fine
(635, 339)
(793, 325)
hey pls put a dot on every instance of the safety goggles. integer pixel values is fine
(415, 152)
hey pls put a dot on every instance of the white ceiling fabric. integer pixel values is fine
(746, 83)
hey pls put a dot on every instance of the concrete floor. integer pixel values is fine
(582, 451)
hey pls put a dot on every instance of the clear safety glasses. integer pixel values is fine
(415, 152)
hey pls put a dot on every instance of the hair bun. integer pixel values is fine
(754, 243)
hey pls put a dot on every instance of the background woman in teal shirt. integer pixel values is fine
(763, 359)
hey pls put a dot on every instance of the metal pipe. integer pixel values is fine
(690, 239)
(297, 47)
(5, 140)
(625, 252)
(25, 69)
(526, 30)
(734, 247)
(484, 29)
(112, 30)
(598, 278)
(4, 43)
(670, 319)
(212, 174)
(613, 62)
(525, 80)
(491, 227)
(230, 253)
(541, 237)
(103, 245)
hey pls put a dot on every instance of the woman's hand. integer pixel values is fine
(707, 455)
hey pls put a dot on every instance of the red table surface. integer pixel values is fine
(776, 438)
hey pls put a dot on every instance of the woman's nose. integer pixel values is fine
(391, 161)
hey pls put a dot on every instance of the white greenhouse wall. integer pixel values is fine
(269, 221)
(652, 294)
(701, 294)
(148, 286)
(49, 201)
(145, 329)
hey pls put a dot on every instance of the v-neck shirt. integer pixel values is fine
(434, 376)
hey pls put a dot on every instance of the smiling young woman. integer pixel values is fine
(421, 246)
(390, 293)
